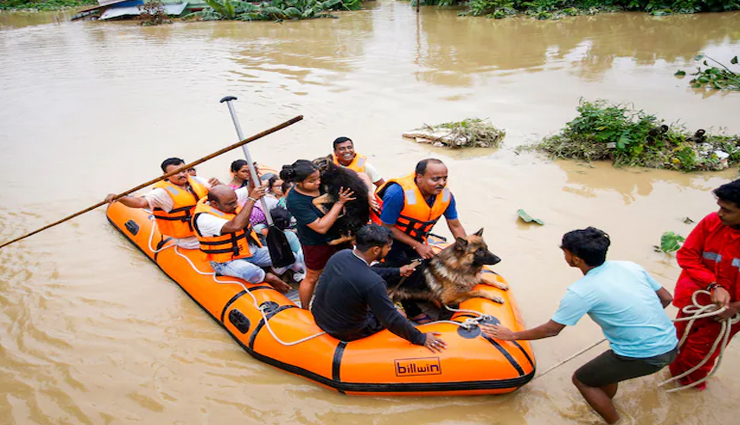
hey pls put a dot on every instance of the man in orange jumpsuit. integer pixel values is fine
(710, 260)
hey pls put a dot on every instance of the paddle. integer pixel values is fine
(277, 243)
(164, 176)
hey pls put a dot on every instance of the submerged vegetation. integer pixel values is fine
(669, 242)
(712, 77)
(44, 6)
(471, 132)
(275, 10)
(631, 137)
(555, 9)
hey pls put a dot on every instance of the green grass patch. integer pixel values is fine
(44, 6)
(557, 9)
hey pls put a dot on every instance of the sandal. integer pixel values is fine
(422, 319)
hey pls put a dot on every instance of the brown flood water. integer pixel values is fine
(91, 332)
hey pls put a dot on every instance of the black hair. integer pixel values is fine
(281, 218)
(371, 235)
(271, 182)
(171, 161)
(298, 171)
(589, 244)
(421, 166)
(286, 187)
(340, 140)
(729, 192)
(237, 165)
(211, 197)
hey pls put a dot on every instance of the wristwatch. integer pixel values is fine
(714, 285)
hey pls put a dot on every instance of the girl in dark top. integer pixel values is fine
(314, 227)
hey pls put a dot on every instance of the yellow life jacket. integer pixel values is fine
(417, 218)
(177, 222)
(229, 246)
(357, 164)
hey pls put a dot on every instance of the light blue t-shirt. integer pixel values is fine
(620, 297)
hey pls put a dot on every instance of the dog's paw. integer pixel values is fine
(497, 299)
(502, 286)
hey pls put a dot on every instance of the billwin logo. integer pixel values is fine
(418, 367)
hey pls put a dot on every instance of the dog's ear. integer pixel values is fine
(479, 232)
(461, 244)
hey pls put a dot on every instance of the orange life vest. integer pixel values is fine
(229, 246)
(357, 164)
(177, 222)
(417, 218)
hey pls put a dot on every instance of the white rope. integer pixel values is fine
(254, 299)
(699, 311)
(151, 236)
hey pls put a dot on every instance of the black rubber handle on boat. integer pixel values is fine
(227, 98)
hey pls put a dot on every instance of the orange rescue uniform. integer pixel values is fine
(229, 246)
(417, 218)
(177, 222)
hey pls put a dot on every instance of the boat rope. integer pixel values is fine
(469, 322)
(254, 299)
(151, 237)
(569, 359)
(698, 311)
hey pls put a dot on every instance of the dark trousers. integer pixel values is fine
(401, 255)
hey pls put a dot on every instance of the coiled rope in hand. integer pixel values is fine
(694, 312)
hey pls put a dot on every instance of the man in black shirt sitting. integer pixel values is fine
(352, 298)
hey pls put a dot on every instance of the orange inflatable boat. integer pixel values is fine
(272, 329)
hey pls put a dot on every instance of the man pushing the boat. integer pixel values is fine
(351, 299)
(221, 223)
(626, 302)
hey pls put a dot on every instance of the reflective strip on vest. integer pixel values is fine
(712, 256)
(360, 162)
(446, 195)
(172, 190)
(736, 263)
(410, 197)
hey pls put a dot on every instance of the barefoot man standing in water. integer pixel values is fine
(626, 302)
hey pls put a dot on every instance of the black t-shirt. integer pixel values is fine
(350, 293)
(305, 212)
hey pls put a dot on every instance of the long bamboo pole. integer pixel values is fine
(164, 176)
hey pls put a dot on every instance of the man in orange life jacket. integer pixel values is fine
(710, 260)
(345, 155)
(410, 207)
(221, 222)
(172, 202)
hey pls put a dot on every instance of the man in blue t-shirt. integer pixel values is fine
(626, 302)
(411, 206)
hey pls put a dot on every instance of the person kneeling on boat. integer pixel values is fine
(221, 222)
(172, 202)
(626, 302)
(351, 299)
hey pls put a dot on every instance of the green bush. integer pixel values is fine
(275, 10)
(632, 137)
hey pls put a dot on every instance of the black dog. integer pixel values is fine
(357, 212)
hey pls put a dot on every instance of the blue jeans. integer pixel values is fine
(250, 268)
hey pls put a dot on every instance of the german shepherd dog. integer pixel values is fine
(357, 212)
(449, 277)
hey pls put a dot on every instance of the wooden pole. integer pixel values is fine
(164, 176)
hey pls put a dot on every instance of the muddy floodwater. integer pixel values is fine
(92, 332)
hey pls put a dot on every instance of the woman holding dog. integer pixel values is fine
(314, 228)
